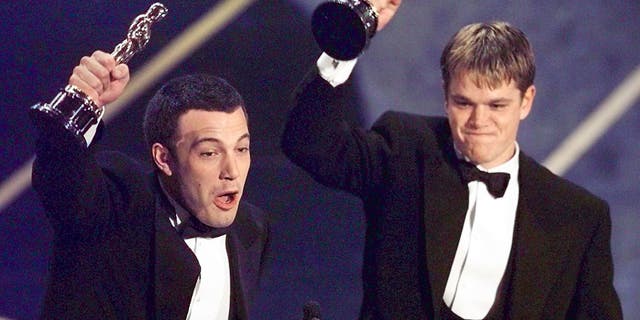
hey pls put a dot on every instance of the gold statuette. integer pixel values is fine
(71, 107)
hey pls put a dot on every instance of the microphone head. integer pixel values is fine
(311, 311)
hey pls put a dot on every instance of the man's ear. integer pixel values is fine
(527, 102)
(446, 102)
(162, 158)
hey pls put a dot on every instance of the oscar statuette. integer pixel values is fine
(343, 28)
(71, 107)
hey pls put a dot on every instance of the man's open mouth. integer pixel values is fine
(226, 201)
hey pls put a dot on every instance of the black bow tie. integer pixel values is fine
(496, 182)
(193, 228)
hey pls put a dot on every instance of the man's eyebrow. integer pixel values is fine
(500, 100)
(243, 137)
(460, 97)
(216, 140)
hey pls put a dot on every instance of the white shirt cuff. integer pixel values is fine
(91, 132)
(334, 71)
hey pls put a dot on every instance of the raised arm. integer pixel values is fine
(71, 185)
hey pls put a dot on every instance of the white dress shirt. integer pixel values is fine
(484, 246)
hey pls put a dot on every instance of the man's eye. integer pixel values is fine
(243, 149)
(462, 104)
(208, 154)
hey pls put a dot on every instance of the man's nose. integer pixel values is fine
(479, 115)
(229, 168)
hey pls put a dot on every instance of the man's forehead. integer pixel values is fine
(213, 133)
(213, 126)
(212, 120)
(481, 80)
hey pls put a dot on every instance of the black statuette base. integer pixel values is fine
(71, 109)
(343, 28)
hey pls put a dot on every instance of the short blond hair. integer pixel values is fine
(493, 53)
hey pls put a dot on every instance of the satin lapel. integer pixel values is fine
(239, 240)
(445, 205)
(176, 267)
(536, 257)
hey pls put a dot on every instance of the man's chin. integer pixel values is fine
(219, 218)
(475, 153)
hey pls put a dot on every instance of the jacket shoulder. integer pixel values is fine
(253, 214)
(130, 180)
(558, 191)
(404, 126)
(411, 121)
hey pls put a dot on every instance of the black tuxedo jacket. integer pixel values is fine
(115, 252)
(406, 172)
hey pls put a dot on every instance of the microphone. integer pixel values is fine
(311, 311)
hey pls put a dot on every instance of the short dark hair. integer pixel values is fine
(492, 52)
(179, 95)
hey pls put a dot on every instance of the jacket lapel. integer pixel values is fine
(239, 240)
(536, 256)
(445, 205)
(176, 267)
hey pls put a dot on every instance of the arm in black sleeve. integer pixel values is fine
(69, 182)
(595, 296)
(318, 138)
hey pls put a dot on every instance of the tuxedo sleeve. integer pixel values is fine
(595, 296)
(318, 138)
(69, 183)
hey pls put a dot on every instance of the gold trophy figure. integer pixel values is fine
(71, 107)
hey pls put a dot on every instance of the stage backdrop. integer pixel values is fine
(585, 50)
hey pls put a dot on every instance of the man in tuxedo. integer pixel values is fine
(461, 223)
(176, 242)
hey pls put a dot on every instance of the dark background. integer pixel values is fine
(584, 51)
